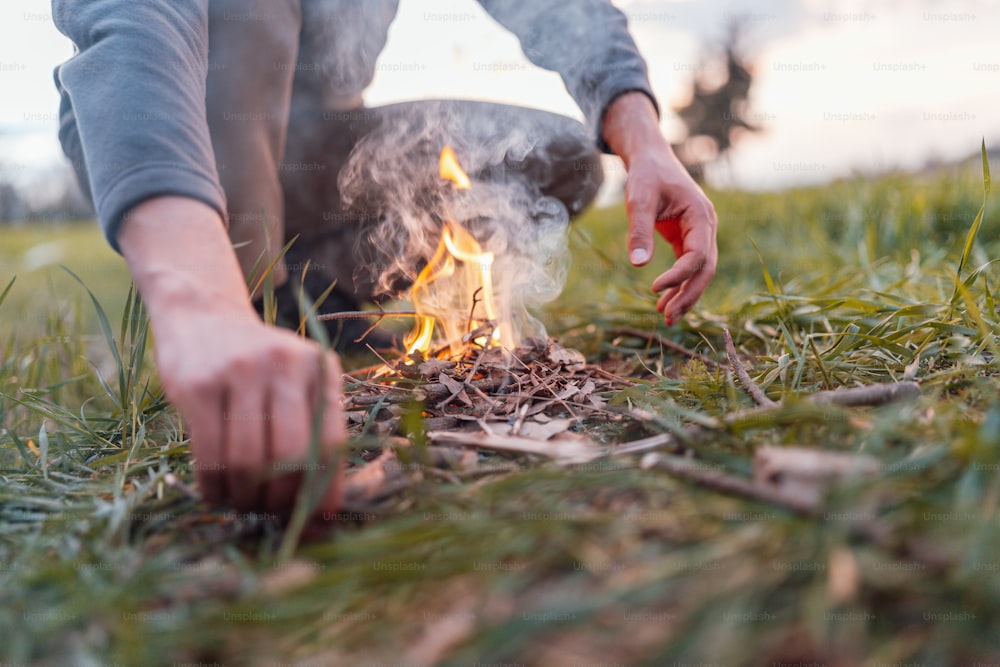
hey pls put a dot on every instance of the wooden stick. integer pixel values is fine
(654, 337)
(564, 451)
(873, 394)
(758, 396)
(364, 314)
(729, 484)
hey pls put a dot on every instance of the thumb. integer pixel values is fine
(641, 209)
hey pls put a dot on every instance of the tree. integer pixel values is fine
(717, 114)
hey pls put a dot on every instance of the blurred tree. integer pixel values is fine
(717, 114)
(12, 205)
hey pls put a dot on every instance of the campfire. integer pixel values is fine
(464, 362)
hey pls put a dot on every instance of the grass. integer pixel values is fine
(102, 561)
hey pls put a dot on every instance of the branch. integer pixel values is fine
(732, 485)
(873, 394)
(363, 314)
(759, 397)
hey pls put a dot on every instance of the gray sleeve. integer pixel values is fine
(132, 116)
(587, 42)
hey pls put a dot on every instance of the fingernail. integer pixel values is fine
(639, 256)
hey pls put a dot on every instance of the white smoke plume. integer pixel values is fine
(393, 171)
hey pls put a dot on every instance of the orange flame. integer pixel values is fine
(454, 291)
(451, 171)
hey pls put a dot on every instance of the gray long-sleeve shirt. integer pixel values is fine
(133, 115)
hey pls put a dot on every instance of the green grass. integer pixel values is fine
(102, 561)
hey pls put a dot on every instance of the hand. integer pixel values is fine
(247, 392)
(660, 194)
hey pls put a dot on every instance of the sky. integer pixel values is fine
(840, 86)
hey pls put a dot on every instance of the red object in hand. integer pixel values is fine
(670, 229)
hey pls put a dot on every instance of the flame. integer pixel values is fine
(451, 171)
(454, 292)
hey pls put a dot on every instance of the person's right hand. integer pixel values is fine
(247, 392)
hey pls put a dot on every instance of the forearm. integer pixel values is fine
(586, 41)
(247, 392)
(631, 126)
(181, 259)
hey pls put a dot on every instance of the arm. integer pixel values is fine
(134, 109)
(246, 390)
(588, 43)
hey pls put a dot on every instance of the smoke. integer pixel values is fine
(516, 158)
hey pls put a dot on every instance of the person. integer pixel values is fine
(181, 119)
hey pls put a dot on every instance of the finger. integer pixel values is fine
(683, 270)
(289, 441)
(244, 443)
(334, 436)
(665, 298)
(698, 246)
(334, 425)
(207, 433)
(690, 292)
(640, 205)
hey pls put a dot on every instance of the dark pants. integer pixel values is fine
(281, 162)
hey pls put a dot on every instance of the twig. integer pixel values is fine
(375, 480)
(873, 394)
(654, 337)
(563, 451)
(759, 397)
(381, 316)
(733, 485)
(362, 314)
(479, 357)
(608, 375)
(472, 310)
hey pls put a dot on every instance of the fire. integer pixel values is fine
(454, 293)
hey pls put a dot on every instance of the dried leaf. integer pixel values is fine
(456, 388)
(569, 358)
(536, 431)
(432, 368)
(569, 392)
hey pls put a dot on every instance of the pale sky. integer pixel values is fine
(840, 84)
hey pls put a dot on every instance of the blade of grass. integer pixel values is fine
(6, 290)
(970, 239)
(314, 486)
(102, 319)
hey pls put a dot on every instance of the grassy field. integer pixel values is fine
(102, 562)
